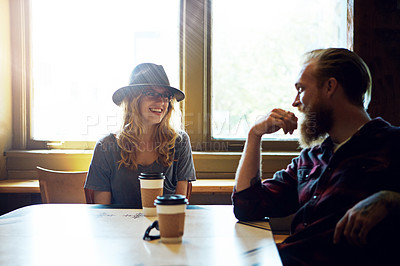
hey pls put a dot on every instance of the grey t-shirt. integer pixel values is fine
(106, 175)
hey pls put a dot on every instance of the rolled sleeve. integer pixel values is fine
(275, 197)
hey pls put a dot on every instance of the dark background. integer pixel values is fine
(377, 41)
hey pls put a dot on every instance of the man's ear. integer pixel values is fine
(331, 86)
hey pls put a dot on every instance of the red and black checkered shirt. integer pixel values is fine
(319, 186)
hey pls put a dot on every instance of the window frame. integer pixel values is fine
(195, 81)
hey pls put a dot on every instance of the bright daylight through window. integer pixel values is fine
(256, 50)
(83, 50)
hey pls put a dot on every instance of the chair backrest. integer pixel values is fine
(61, 186)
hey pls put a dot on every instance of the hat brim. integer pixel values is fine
(121, 93)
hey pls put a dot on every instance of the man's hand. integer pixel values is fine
(249, 164)
(274, 121)
(362, 217)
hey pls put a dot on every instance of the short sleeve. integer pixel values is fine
(99, 173)
(185, 165)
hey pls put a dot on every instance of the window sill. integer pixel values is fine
(209, 165)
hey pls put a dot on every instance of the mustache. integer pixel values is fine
(302, 109)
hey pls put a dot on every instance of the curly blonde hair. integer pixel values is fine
(130, 135)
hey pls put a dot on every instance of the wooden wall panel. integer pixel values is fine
(377, 41)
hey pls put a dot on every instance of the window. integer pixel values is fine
(245, 59)
(235, 60)
(78, 63)
(255, 53)
(84, 50)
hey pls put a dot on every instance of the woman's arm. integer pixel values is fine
(181, 188)
(102, 197)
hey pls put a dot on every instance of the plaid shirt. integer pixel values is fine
(320, 185)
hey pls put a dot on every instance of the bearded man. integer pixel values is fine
(344, 187)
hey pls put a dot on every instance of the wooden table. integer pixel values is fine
(81, 234)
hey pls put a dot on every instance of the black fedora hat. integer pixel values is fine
(144, 76)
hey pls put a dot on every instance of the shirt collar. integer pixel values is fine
(368, 128)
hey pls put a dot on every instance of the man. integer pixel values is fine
(343, 187)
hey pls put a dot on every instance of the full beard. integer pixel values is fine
(316, 121)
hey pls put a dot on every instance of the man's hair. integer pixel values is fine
(347, 68)
(128, 139)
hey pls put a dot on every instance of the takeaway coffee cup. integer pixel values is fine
(151, 186)
(171, 219)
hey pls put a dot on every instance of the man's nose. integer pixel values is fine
(296, 101)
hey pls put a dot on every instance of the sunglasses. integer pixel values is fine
(153, 96)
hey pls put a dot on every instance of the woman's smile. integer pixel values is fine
(153, 108)
(156, 110)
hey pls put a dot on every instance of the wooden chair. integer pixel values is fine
(61, 186)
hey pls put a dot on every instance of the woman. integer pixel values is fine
(147, 142)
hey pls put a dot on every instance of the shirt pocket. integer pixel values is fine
(307, 177)
(303, 175)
